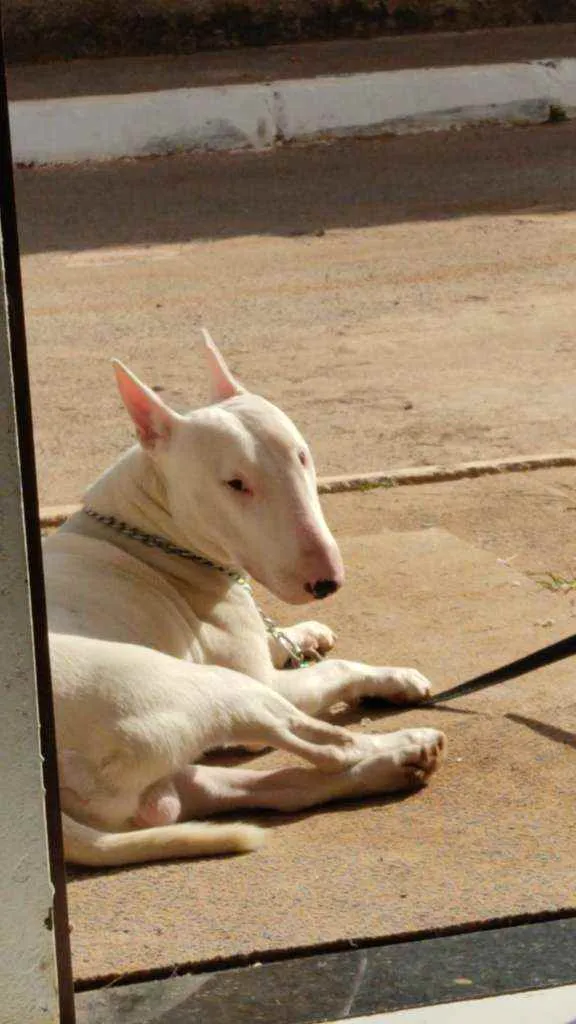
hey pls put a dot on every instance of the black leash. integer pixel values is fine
(544, 656)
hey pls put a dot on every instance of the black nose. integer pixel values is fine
(322, 588)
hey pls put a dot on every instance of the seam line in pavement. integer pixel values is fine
(54, 515)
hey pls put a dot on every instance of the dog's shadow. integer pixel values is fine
(263, 818)
(382, 712)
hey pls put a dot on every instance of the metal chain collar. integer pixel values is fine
(296, 656)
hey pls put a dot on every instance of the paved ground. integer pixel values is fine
(407, 300)
(491, 836)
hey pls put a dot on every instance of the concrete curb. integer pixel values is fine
(53, 516)
(265, 114)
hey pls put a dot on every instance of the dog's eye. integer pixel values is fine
(238, 485)
(302, 456)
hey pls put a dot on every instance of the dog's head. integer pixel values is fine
(240, 483)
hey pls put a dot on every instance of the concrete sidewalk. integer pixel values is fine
(260, 99)
(488, 840)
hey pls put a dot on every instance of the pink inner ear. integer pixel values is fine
(152, 419)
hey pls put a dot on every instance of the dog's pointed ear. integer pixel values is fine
(223, 383)
(153, 420)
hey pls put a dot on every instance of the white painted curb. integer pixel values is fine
(262, 115)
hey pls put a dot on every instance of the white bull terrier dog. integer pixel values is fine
(159, 652)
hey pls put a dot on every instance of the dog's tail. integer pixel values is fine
(94, 848)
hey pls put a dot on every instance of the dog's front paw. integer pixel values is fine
(401, 760)
(406, 686)
(312, 637)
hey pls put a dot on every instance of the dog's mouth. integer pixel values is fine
(294, 588)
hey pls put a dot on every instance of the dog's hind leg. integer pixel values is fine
(407, 760)
(317, 687)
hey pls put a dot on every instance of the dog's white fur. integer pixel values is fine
(156, 659)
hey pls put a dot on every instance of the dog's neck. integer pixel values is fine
(134, 492)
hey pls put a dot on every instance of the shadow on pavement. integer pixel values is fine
(297, 190)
